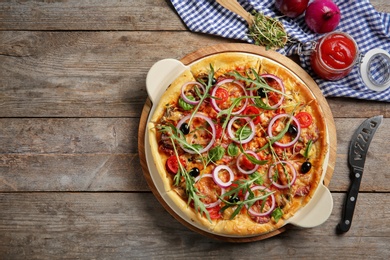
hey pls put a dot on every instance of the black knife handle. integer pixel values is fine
(350, 201)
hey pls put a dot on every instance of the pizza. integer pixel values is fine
(239, 142)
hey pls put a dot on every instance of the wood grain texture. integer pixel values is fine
(72, 89)
(83, 74)
(134, 225)
(89, 15)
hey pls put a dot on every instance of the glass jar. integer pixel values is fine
(334, 56)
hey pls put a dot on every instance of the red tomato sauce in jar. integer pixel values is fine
(334, 56)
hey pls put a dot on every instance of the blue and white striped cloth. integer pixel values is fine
(370, 29)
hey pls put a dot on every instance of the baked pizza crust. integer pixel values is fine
(242, 224)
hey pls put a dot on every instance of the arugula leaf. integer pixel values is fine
(279, 136)
(259, 83)
(205, 94)
(191, 191)
(242, 186)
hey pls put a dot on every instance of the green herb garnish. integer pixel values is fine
(277, 214)
(244, 187)
(267, 31)
(191, 191)
(216, 153)
(232, 149)
(185, 105)
(308, 148)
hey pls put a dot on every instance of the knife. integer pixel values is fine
(358, 148)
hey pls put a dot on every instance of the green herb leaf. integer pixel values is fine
(191, 191)
(253, 159)
(232, 149)
(257, 177)
(184, 104)
(242, 186)
(277, 214)
(243, 132)
(216, 153)
(308, 148)
(258, 82)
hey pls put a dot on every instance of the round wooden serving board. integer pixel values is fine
(256, 50)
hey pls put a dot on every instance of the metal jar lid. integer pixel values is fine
(375, 69)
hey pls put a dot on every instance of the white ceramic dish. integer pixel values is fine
(159, 77)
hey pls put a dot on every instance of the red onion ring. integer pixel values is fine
(292, 181)
(252, 170)
(282, 89)
(185, 98)
(214, 101)
(213, 131)
(218, 180)
(230, 130)
(273, 120)
(217, 202)
(272, 207)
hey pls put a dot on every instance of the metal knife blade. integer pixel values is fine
(358, 148)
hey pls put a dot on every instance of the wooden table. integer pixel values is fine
(72, 87)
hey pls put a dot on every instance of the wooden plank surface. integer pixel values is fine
(118, 226)
(89, 15)
(72, 87)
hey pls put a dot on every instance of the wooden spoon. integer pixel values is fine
(273, 36)
(235, 7)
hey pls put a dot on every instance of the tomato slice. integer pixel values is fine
(304, 119)
(221, 95)
(246, 163)
(251, 111)
(172, 165)
(214, 212)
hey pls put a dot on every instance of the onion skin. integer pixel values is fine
(273, 121)
(272, 206)
(214, 102)
(231, 134)
(322, 16)
(291, 8)
(185, 98)
(292, 181)
(218, 180)
(248, 171)
(215, 203)
(213, 132)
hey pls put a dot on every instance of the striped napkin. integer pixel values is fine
(369, 28)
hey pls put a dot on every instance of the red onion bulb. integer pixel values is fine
(322, 16)
(291, 8)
